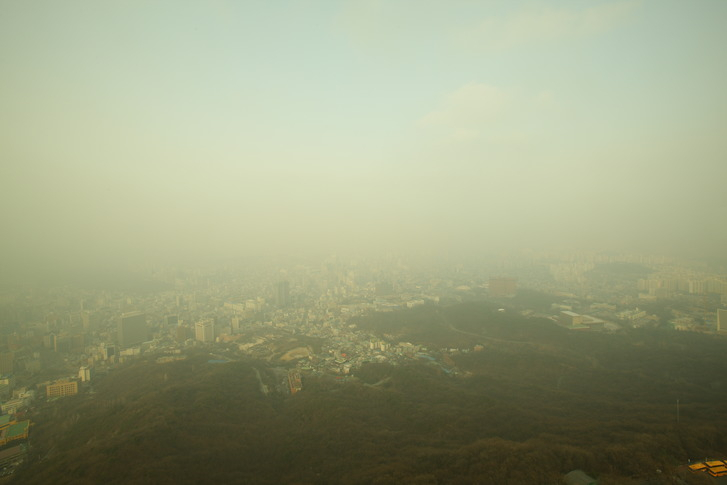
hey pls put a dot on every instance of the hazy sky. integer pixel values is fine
(181, 128)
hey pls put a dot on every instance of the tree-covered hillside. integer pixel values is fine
(535, 403)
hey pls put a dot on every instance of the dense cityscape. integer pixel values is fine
(363, 242)
(58, 341)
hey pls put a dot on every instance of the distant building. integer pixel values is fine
(49, 341)
(84, 373)
(132, 329)
(63, 343)
(294, 381)
(205, 331)
(90, 320)
(234, 306)
(12, 406)
(721, 320)
(181, 334)
(7, 383)
(62, 388)
(282, 294)
(108, 351)
(33, 365)
(502, 287)
(236, 324)
(254, 305)
(570, 319)
(78, 343)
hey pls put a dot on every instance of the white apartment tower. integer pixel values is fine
(204, 330)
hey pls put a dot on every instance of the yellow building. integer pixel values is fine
(715, 468)
(62, 389)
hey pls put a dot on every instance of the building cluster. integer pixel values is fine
(55, 342)
(714, 468)
(574, 320)
(667, 285)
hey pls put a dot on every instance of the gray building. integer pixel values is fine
(132, 329)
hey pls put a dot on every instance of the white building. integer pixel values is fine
(205, 331)
(84, 373)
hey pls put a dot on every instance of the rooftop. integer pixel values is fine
(17, 429)
(5, 420)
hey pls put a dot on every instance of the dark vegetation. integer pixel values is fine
(537, 402)
(535, 300)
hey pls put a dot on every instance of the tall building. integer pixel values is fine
(235, 324)
(132, 329)
(63, 343)
(181, 335)
(721, 320)
(282, 294)
(108, 351)
(84, 373)
(49, 341)
(204, 331)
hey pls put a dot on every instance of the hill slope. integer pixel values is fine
(522, 412)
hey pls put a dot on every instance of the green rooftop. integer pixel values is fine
(4, 420)
(17, 429)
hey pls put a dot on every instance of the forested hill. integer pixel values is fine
(536, 402)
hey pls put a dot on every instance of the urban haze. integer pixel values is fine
(458, 231)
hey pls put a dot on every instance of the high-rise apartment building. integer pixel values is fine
(282, 294)
(181, 334)
(204, 331)
(108, 351)
(132, 329)
(84, 373)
